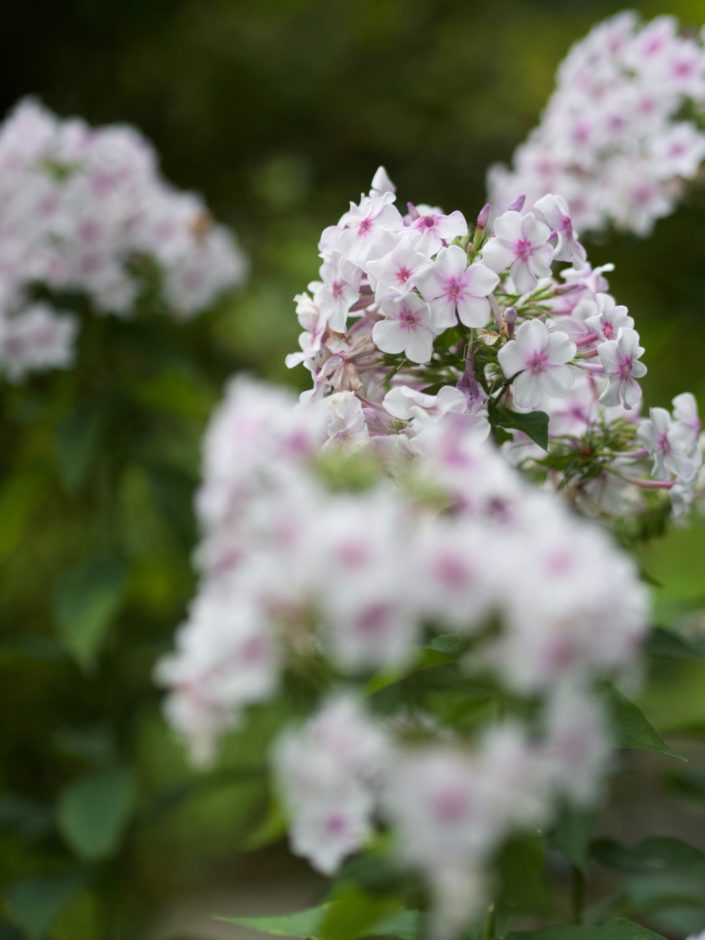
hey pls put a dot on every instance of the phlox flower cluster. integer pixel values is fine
(622, 132)
(84, 211)
(329, 559)
(421, 315)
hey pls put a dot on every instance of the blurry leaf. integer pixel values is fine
(657, 854)
(689, 786)
(43, 649)
(353, 912)
(8, 932)
(78, 438)
(172, 490)
(571, 835)
(32, 820)
(35, 903)
(308, 924)
(93, 811)
(271, 829)
(667, 644)
(93, 745)
(617, 929)
(633, 729)
(406, 926)
(534, 424)
(302, 924)
(662, 875)
(85, 603)
(522, 879)
(19, 497)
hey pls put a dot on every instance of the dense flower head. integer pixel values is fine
(346, 562)
(617, 138)
(85, 211)
(421, 315)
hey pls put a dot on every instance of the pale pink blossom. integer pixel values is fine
(620, 361)
(456, 290)
(537, 361)
(521, 245)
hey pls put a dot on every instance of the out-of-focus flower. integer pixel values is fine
(85, 210)
(613, 139)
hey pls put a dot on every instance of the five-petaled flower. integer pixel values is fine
(406, 328)
(538, 359)
(455, 290)
(620, 360)
(521, 243)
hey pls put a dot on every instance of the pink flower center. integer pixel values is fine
(337, 289)
(336, 824)
(403, 274)
(451, 572)
(451, 804)
(365, 227)
(683, 68)
(537, 362)
(625, 367)
(352, 554)
(523, 249)
(374, 620)
(408, 318)
(253, 651)
(663, 444)
(608, 330)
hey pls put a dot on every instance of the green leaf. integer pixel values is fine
(617, 929)
(172, 490)
(354, 913)
(308, 924)
(30, 819)
(20, 497)
(93, 812)
(35, 903)
(571, 836)
(405, 926)
(663, 876)
(305, 924)
(633, 729)
(271, 829)
(667, 644)
(658, 854)
(522, 879)
(85, 603)
(534, 424)
(77, 442)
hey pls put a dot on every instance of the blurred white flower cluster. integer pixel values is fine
(623, 130)
(82, 210)
(335, 559)
(419, 315)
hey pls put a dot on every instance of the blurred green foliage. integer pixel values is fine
(279, 112)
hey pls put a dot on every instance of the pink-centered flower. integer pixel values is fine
(620, 360)
(458, 291)
(539, 360)
(431, 229)
(555, 211)
(521, 244)
(406, 328)
(397, 272)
